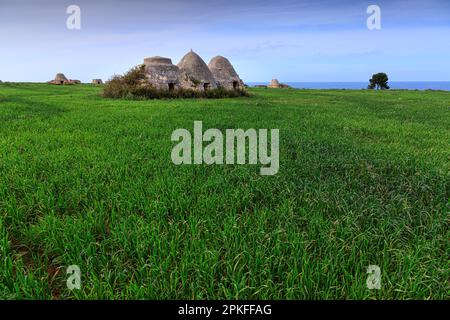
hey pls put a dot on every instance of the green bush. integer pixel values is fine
(133, 86)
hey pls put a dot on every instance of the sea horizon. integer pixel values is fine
(360, 85)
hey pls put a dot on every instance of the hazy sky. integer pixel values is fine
(302, 40)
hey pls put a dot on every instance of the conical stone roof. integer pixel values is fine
(224, 73)
(195, 72)
(60, 78)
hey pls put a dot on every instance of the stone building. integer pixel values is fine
(162, 74)
(61, 79)
(191, 73)
(97, 81)
(195, 73)
(275, 84)
(224, 73)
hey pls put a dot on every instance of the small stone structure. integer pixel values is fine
(224, 73)
(275, 84)
(61, 79)
(97, 81)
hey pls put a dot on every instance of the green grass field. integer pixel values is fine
(364, 180)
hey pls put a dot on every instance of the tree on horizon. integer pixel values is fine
(379, 81)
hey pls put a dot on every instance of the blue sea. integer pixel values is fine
(419, 85)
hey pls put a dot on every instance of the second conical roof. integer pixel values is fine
(222, 67)
(194, 66)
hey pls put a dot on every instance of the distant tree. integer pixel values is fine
(379, 81)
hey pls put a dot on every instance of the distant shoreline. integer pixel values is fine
(396, 85)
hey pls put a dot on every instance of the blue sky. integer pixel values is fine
(289, 40)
